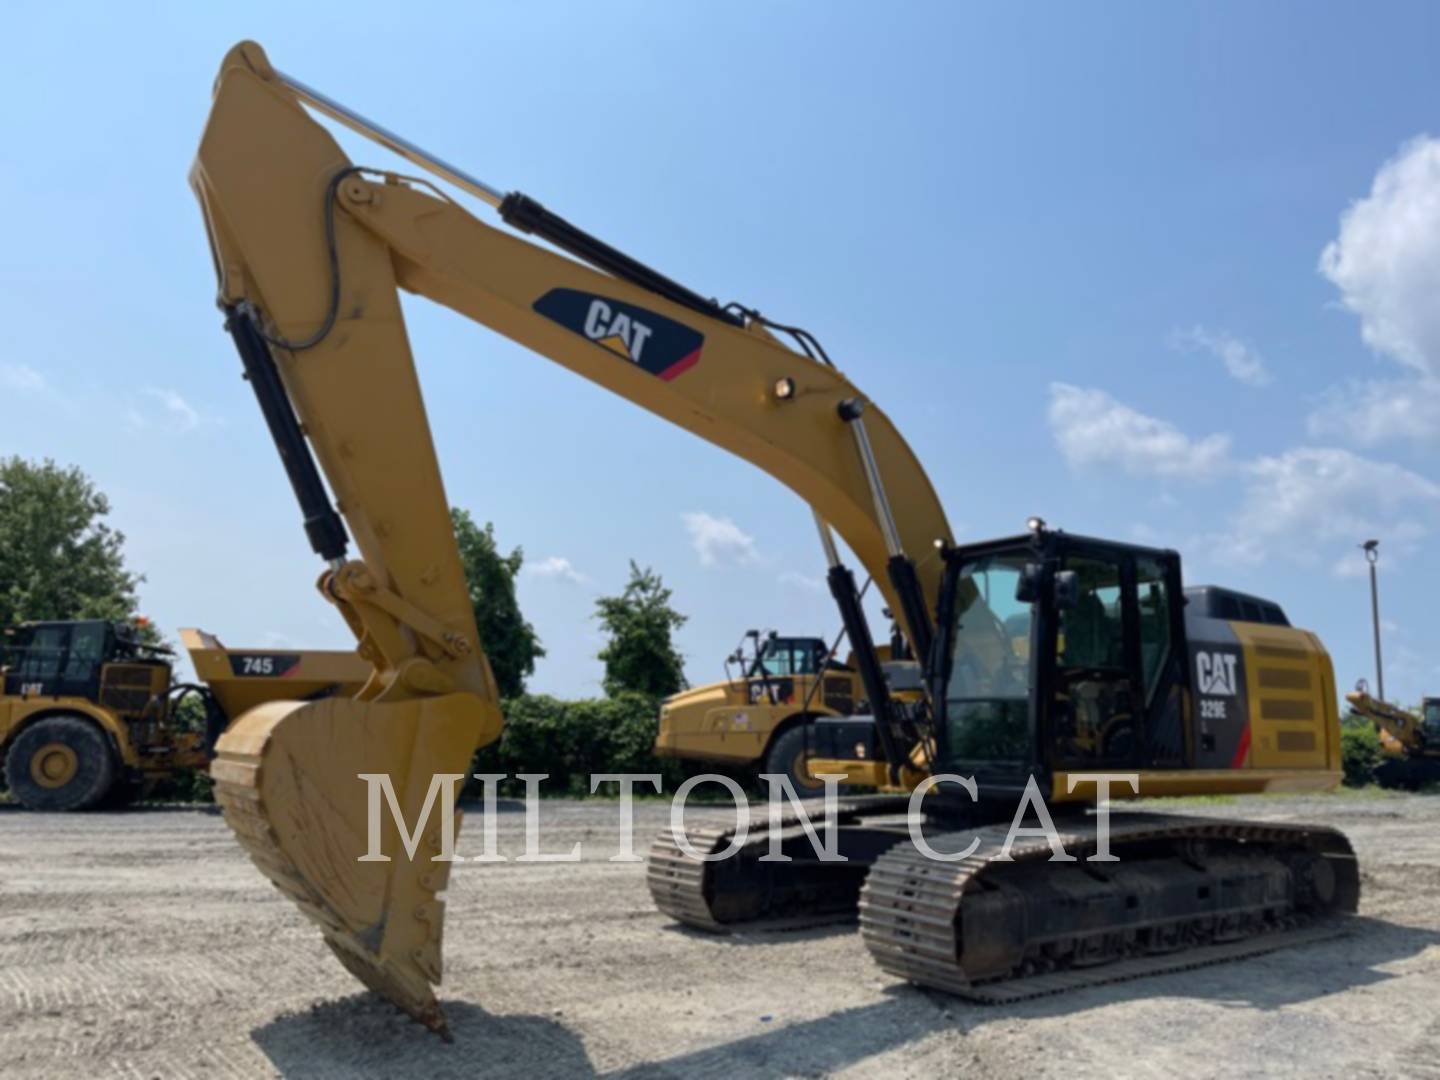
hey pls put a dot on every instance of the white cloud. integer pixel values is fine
(22, 378)
(184, 415)
(1295, 503)
(1386, 259)
(1312, 496)
(801, 581)
(1386, 263)
(556, 566)
(717, 540)
(1242, 361)
(1092, 428)
(1372, 411)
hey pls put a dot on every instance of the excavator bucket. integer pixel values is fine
(290, 777)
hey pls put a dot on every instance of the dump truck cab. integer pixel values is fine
(775, 687)
(775, 662)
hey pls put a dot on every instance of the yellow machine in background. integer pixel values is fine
(1046, 657)
(762, 715)
(1411, 742)
(89, 711)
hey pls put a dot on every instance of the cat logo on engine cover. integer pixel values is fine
(663, 347)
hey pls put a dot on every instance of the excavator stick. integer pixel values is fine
(327, 357)
(288, 776)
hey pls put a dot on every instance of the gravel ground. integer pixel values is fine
(144, 944)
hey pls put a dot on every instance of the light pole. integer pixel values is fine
(1372, 556)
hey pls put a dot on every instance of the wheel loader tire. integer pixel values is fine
(60, 763)
(788, 756)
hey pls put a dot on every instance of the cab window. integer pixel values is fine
(776, 659)
(40, 658)
(788, 656)
(87, 649)
(988, 691)
(1092, 632)
(1154, 606)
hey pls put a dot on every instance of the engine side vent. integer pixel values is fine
(128, 688)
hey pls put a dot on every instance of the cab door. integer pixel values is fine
(1096, 693)
(89, 645)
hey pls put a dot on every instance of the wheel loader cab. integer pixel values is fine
(67, 659)
(1058, 653)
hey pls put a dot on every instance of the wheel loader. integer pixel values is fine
(89, 713)
(1045, 658)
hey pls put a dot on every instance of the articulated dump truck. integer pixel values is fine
(91, 714)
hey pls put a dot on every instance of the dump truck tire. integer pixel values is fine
(787, 756)
(60, 763)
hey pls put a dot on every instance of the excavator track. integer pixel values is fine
(1185, 892)
(1182, 893)
(739, 892)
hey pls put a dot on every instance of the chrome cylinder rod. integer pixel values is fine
(851, 412)
(827, 540)
(391, 141)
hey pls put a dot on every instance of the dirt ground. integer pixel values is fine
(144, 944)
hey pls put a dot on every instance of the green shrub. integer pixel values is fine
(1360, 752)
(571, 740)
(185, 786)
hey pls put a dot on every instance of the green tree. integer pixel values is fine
(640, 656)
(58, 557)
(1360, 750)
(509, 641)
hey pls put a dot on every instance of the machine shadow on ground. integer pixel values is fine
(770, 932)
(363, 1036)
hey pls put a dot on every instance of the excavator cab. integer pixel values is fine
(1430, 720)
(1057, 653)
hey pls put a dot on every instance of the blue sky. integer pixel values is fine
(1158, 272)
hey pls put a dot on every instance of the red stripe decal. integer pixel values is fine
(1243, 750)
(684, 364)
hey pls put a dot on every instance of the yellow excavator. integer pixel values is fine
(1410, 741)
(1047, 657)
